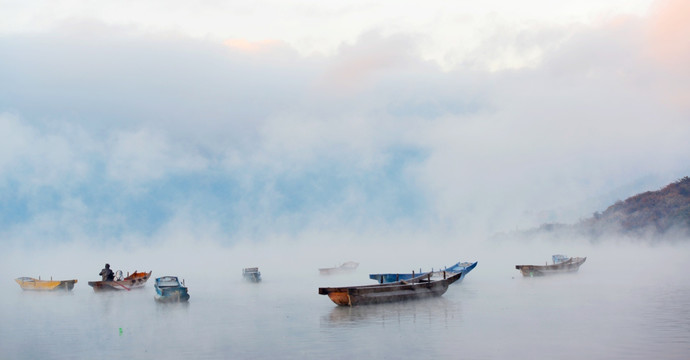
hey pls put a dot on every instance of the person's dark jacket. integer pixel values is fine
(107, 274)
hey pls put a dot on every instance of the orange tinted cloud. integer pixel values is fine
(246, 46)
(668, 46)
(357, 65)
(351, 72)
(668, 32)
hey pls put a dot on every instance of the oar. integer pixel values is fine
(126, 288)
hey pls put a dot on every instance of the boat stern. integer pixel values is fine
(340, 297)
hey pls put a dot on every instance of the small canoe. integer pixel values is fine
(251, 274)
(417, 288)
(134, 281)
(346, 267)
(169, 289)
(29, 283)
(561, 264)
(460, 267)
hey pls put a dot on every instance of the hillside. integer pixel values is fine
(649, 213)
(652, 215)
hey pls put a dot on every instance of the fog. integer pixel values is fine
(196, 148)
(626, 300)
(300, 258)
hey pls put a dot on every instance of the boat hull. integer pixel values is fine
(27, 283)
(175, 298)
(417, 289)
(254, 277)
(572, 265)
(172, 295)
(135, 281)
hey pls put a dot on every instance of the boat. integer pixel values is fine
(251, 274)
(134, 281)
(29, 283)
(169, 289)
(413, 289)
(460, 267)
(561, 264)
(346, 267)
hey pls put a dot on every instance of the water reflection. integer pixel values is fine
(167, 307)
(435, 310)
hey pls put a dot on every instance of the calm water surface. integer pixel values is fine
(618, 308)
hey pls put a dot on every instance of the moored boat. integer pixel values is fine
(134, 281)
(251, 274)
(412, 289)
(460, 267)
(346, 267)
(169, 289)
(29, 283)
(561, 264)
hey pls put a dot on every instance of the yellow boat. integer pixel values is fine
(29, 283)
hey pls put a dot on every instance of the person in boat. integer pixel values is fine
(107, 274)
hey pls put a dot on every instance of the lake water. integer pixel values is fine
(629, 303)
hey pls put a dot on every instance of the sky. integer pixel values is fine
(229, 121)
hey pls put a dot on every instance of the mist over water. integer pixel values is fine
(198, 140)
(627, 301)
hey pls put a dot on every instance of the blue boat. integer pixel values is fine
(251, 274)
(169, 289)
(459, 268)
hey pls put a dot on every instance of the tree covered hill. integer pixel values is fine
(652, 215)
(649, 213)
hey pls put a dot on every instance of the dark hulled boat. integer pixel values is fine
(561, 264)
(416, 288)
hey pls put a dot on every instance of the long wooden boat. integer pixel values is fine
(134, 281)
(29, 283)
(413, 289)
(561, 264)
(460, 267)
(346, 267)
(251, 274)
(169, 289)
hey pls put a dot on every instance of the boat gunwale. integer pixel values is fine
(451, 270)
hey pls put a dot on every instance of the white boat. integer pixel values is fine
(346, 267)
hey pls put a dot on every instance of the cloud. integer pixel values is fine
(35, 158)
(358, 65)
(252, 46)
(136, 132)
(145, 156)
(667, 45)
(669, 22)
(554, 136)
